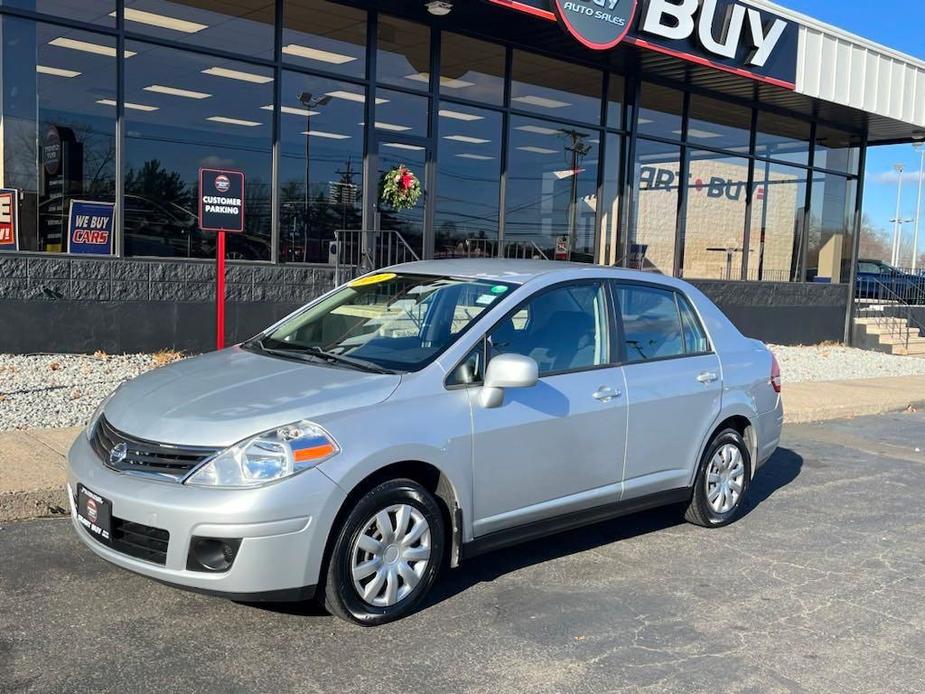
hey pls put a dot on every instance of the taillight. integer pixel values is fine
(775, 374)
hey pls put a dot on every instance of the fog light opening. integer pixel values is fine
(212, 554)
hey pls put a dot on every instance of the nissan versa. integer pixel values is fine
(419, 416)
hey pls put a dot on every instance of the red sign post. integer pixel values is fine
(221, 209)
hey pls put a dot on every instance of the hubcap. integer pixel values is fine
(725, 478)
(390, 555)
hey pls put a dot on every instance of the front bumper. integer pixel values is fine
(283, 526)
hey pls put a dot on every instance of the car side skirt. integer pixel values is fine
(569, 521)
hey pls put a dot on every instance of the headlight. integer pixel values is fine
(95, 418)
(267, 457)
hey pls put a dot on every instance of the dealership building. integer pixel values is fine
(722, 141)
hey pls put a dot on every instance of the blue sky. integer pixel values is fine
(899, 24)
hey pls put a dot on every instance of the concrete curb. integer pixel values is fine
(33, 463)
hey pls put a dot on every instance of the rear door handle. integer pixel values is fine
(707, 377)
(605, 394)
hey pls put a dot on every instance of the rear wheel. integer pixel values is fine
(387, 554)
(722, 481)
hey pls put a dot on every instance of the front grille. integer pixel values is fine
(159, 460)
(140, 541)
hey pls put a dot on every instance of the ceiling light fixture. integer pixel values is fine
(87, 47)
(390, 126)
(291, 110)
(439, 8)
(234, 121)
(175, 91)
(540, 101)
(326, 135)
(466, 138)
(477, 157)
(459, 115)
(56, 71)
(537, 150)
(128, 105)
(538, 129)
(237, 75)
(353, 96)
(317, 54)
(401, 145)
(162, 20)
(448, 82)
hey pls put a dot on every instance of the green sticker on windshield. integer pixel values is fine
(498, 289)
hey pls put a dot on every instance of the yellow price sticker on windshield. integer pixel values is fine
(373, 279)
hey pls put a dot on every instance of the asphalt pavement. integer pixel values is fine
(819, 587)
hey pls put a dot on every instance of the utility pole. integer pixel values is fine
(897, 224)
(918, 147)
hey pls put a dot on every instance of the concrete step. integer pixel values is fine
(880, 320)
(910, 351)
(901, 340)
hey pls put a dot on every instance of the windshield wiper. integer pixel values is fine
(362, 364)
(317, 354)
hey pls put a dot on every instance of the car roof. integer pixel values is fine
(519, 271)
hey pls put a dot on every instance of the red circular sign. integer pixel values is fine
(597, 24)
(222, 183)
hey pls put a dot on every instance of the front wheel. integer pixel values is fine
(722, 481)
(387, 554)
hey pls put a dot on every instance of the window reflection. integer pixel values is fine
(468, 182)
(57, 125)
(616, 92)
(240, 27)
(551, 190)
(91, 11)
(660, 111)
(400, 114)
(555, 88)
(719, 124)
(611, 252)
(829, 233)
(656, 175)
(782, 138)
(471, 69)
(324, 36)
(320, 167)
(717, 194)
(837, 150)
(207, 112)
(404, 53)
(778, 207)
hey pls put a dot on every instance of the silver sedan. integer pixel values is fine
(420, 416)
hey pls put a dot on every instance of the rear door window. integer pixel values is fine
(652, 327)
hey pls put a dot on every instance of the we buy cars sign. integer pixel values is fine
(221, 200)
(8, 210)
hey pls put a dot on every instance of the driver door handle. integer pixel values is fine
(606, 394)
(707, 377)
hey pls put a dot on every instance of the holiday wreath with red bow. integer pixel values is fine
(399, 188)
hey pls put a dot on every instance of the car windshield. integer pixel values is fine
(387, 321)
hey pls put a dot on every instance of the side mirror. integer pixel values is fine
(507, 371)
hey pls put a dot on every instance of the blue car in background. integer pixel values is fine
(879, 280)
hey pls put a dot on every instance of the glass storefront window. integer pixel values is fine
(320, 167)
(656, 175)
(555, 88)
(777, 222)
(91, 11)
(781, 138)
(837, 150)
(184, 111)
(471, 69)
(719, 124)
(714, 230)
(616, 94)
(400, 114)
(245, 28)
(611, 251)
(660, 111)
(403, 57)
(468, 182)
(324, 36)
(830, 229)
(551, 191)
(58, 144)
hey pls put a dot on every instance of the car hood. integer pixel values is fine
(219, 398)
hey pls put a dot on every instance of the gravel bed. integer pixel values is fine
(839, 363)
(63, 390)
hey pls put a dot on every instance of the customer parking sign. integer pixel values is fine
(90, 227)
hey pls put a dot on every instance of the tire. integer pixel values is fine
(727, 457)
(364, 555)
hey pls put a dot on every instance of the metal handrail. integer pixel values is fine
(891, 311)
(358, 251)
